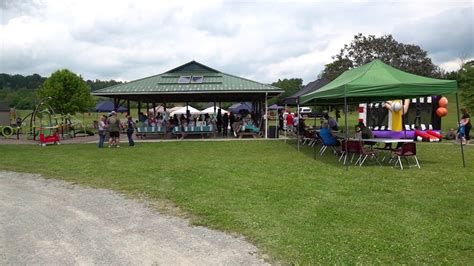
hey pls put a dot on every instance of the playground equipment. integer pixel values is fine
(44, 125)
(50, 138)
(6, 128)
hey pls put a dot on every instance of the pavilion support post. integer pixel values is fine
(460, 142)
(154, 109)
(128, 107)
(298, 125)
(286, 127)
(346, 111)
(147, 109)
(139, 108)
(116, 104)
(215, 107)
(266, 115)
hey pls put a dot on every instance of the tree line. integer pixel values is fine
(21, 91)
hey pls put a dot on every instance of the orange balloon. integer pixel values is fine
(443, 102)
(441, 111)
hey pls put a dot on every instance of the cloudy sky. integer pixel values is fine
(264, 41)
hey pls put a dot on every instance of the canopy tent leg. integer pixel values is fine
(298, 125)
(346, 111)
(266, 115)
(314, 128)
(459, 119)
(277, 120)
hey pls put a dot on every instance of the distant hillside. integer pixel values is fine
(16, 82)
(19, 91)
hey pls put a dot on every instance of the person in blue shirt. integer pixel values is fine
(328, 136)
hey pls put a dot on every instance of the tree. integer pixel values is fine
(466, 84)
(99, 84)
(362, 50)
(66, 92)
(290, 86)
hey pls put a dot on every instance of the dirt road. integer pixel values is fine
(46, 221)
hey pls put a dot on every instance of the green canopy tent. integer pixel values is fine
(378, 81)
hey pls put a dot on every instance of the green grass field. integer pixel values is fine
(295, 209)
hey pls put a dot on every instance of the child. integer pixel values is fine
(462, 131)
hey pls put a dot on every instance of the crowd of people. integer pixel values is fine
(223, 124)
(229, 123)
(112, 126)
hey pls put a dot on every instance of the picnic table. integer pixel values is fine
(198, 130)
(387, 140)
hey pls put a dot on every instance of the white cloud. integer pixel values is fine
(125, 39)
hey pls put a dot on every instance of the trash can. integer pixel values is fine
(273, 132)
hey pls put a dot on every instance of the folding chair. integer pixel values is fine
(325, 146)
(407, 150)
(316, 139)
(364, 154)
(352, 148)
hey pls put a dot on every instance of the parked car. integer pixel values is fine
(305, 110)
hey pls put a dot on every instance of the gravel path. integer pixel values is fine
(46, 221)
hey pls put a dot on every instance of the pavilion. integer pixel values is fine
(191, 82)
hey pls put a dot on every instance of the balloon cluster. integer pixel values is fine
(442, 110)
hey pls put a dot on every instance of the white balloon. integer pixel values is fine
(396, 106)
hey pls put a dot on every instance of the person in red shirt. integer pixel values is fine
(289, 121)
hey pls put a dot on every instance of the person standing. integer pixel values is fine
(280, 119)
(102, 127)
(231, 122)
(225, 124)
(130, 129)
(114, 130)
(219, 121)
(467, 125)
(289, 121)
(332, 123)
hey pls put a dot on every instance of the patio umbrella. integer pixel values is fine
(182, 110)
(174, 108)
(109, 107)
(235, 108)
(210, 110)
(158, 109)
(275, 107)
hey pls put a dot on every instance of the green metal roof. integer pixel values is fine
(213, 81)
